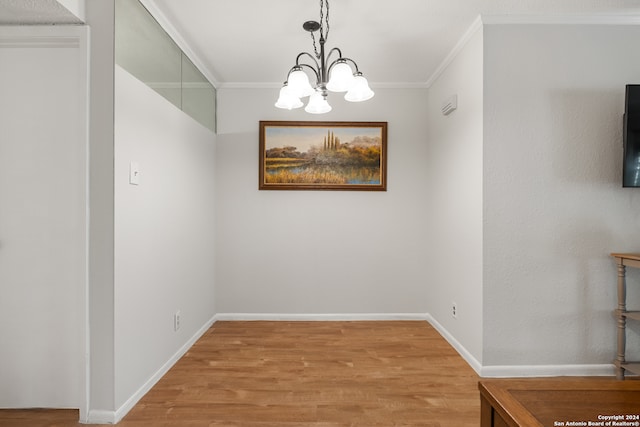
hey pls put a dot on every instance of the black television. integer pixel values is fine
(631, 137)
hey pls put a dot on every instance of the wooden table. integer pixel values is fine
(559, 402)
(622, 314)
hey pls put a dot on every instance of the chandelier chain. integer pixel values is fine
(321, 17)
(326, 35)
(315, 48)
(323, 35)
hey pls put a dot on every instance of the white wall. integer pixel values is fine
(553, 210)
(454, 194)
(293, 252)
(151, 247)
(43, 149)
(164, 233)
(100, 307)
(553, 204)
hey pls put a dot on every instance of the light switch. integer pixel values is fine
(134, 173)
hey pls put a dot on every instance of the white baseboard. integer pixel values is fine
(468, 357)
(113, 417)
(603, 370)
(99, 417)
(516, 371)
(317, 317)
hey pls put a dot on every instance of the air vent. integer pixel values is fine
(450, 105)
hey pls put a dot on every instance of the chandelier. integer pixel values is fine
(335, 76)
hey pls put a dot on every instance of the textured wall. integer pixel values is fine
(321, 251)
(164, 240)
(454, 193)
(553, 204)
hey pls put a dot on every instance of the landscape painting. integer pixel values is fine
(323, 156)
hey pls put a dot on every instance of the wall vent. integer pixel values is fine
(450, 105)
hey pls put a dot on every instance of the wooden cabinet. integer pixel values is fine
(559, 402)
(622, 314)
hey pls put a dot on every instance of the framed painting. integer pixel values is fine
(323, 156)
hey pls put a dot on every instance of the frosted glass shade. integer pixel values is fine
(341, 78)
(317, 104)
(288, 100)
(360, 91)
(299, 83)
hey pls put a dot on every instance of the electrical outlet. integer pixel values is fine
(454, 310)
(176, 321)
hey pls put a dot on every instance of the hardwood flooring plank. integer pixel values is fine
(322, 374)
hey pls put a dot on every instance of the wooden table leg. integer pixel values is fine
(622, 297)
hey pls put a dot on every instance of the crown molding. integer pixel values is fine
(482, 20)
(171, 30)
(271, 85)
(250, 85)
(471, 31)
(560, 19)
(399, 85)
(178, 85)
(462, 42)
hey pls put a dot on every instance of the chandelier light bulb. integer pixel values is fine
(341, 78)
(317, 104)
(299, 83)
(360, 91)
(287, 100)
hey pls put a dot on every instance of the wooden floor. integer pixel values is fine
(262, 374)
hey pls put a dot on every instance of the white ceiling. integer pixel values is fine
(393, 42)
(400, 42)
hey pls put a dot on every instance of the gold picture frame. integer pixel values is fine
(323, 156)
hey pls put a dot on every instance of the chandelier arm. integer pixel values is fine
(335, 49)
(315, 61)
(344, 60)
